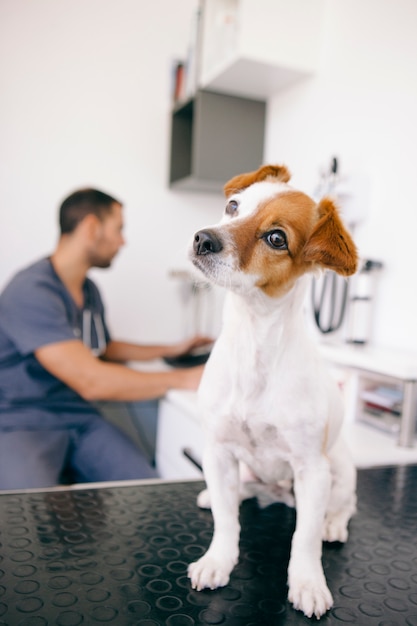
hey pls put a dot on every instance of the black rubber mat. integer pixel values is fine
(119, 556)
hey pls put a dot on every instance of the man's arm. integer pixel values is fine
(123, 351)
(94, 379)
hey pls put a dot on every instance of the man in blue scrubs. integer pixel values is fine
(57, 359)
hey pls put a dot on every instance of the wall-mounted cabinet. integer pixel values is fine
(254, 49)
(245, 51)
(214, 137)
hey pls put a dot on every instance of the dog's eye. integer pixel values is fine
(231, 207)
(276, 239)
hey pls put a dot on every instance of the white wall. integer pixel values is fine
(85, 100)
(362, 107)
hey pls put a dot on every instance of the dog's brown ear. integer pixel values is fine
(330, 244)
(266, 172)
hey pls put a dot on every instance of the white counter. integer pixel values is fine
(179, 426)
(394, 363)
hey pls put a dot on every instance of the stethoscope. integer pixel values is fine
(336, 302)
(334, 288)
(89, 320)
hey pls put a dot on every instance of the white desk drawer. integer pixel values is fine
(177, 432)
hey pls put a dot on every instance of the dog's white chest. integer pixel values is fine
(243, 413)
(261, 396)
(258, 443)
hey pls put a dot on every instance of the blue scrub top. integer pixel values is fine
(36, 309)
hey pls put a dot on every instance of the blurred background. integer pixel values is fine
(87, 99)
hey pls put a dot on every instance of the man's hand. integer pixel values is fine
(188, 345)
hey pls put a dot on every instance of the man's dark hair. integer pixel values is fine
(81, 203)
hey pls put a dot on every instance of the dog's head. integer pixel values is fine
(270, 235)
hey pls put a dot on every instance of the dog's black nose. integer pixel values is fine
(207, 242)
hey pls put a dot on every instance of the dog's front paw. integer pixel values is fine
(311, 596)
(209, 572)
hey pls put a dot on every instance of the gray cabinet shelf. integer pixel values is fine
(214, 137)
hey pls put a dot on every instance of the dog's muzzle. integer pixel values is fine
(206, 242)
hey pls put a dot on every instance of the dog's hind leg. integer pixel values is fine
(245, 477)
(251, 487)
(342, 501)
(265, 494)
(221, 471)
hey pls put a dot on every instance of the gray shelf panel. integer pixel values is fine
(213, 138)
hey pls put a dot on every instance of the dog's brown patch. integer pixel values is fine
(330, 244)
(277, 173)
(315, 236)
(290, 211)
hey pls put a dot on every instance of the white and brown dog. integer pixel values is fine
(266, 398)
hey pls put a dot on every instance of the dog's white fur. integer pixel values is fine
(266, 398)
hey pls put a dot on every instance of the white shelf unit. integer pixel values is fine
(254, 49)
(373, 367)
(369, 402)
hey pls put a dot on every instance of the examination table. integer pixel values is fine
(118, 554)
